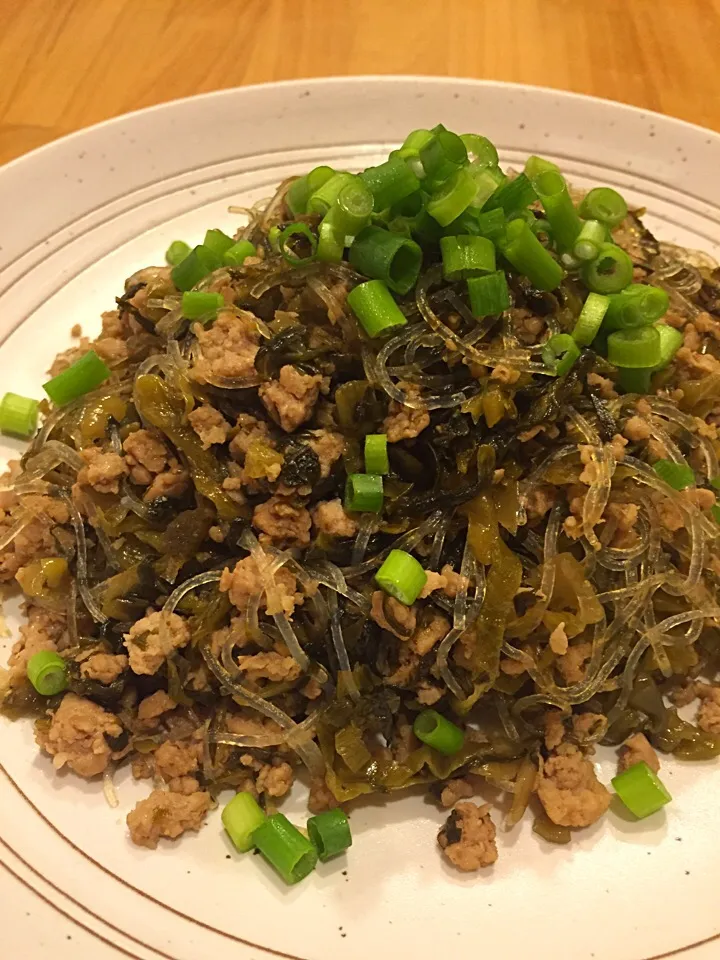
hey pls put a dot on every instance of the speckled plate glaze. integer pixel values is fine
(85, 212)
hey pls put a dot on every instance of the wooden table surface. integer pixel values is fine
(68, 63)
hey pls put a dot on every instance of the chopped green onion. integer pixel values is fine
(297, 233)
(670, 342)
(238, 253)
(197, 264)
(490, 223)
(638, 305)
(285, 848)
(641, 790)
(590, 319)
(534, 166)
(605, 205)
(529, 257)
(402, 576)
(403, 226)
(676, 475)
(364, 493)
(634, 381)
(80, 378)
(273, 238)
(480, 149)
(413, 144)
(325, 196)
(542, 230)
(489, 295)
(176, 252)
(331, 241)
(409, 206)
(318, 176)
(198, 305)
(387, 256)
(376, 454)
(47, 672)
(560, 211)
(437, 732)
(442, 155)
(590, 240)
(455, 195)
(373, 305)
(390, 182)
(635, 348)
(513, 195)
(466, 256)
(560, 353)
(297, 196)
(610, 272)
(352, 209)
(218, 242)
(488, 180)
(425, 229)
(18, 415)
(329, 833)
(241, 817)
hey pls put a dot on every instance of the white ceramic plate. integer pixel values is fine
(78, 217)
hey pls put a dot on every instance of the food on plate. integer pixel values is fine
(410, 481)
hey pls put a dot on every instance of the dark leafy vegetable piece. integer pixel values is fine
(301, 464)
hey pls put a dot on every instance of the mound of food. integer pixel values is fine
(412, 481)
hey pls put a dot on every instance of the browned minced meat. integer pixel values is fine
(103, 471)
(604, 385)
(617, 445)
(103, 667)
(290, 399)
(269, 666)
(329, 448)
(467, 838)
(435, 581)
(184, 785)
(587, 725)
(245, 581)
(637, 749)
(572, 664)
(505, 374)
(37, 538)
(275, 779)
(554, 729)
(248, 429)
(152, 639)
(228, 347)
(166, 814)
(404, 423)
(321, 797)
(172, 483)
(402, 620)
(700, 498)
(282, 522)
(708, 717)
(558, 640)
(330, 518)
(155, 706)
(454, 790)
(209, 424)
(453, 581)
(428, 694)
(637, 428)
(569, 790)
(177, 758)
(147, 455)
(539, 501)
(43, 631)
(429, 633)
(77, 736)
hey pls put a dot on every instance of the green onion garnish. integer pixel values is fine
(634, 380)
(325, 196)
(387, 256)
(352, 209)
(489, 295)
(298, 234)
(439, 733)
(512, 195)
(480, 149)
(218, 242)
(374, 306)
(670, 342)
(176, 252)
(529, 257)
(589, 241)
(637, 305)
(560, 353)
(610, 272)
(197, 305)
(241, 817)
(466, 256)
(605, 205)
(454, 196)
(390, 182)
(364, 493)
(329, 833)
(285, 848)
(47, 672)
(490, 223)
(402, 576)
(442, 155)
(197, 264)
(590, 319)
(18, 415)
(331, 242)
(560, 211)
(238, 253)
(676, 475)
(641, 790)
(80, 378)
(413, 143)
(376, 454)
(636, 348)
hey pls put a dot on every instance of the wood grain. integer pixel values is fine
(65, 64)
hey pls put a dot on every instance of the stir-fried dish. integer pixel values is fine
(411, 482)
